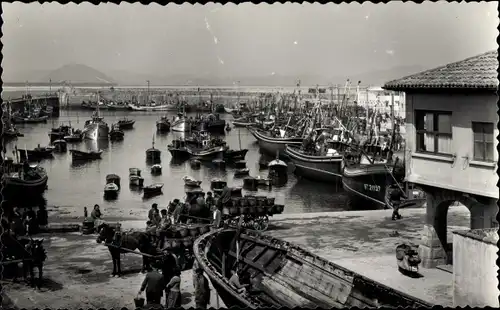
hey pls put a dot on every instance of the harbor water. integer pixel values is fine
(72, 187)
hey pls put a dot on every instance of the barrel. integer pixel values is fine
(244, 210)
(243, 201)
(261, 200)
(251, 200)
(270, 201)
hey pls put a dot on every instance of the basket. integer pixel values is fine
(187, 242)
(270, 201)
(269, 210)
(244, 202)
(139, 302)
(184, 231)
(251, 200)
(236, 201)
(261, 200)
(244, 210)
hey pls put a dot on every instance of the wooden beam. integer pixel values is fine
(132, 251)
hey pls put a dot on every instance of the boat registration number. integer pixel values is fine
(372, 188)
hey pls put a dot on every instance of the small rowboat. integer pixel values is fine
(126, 123)
(136, 180)
(113, 178)
(153, 189)
(134, 171)
(111, 191)
(80, 155)
(190, 182)
(156, 169)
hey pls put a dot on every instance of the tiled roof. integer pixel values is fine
(478, 72)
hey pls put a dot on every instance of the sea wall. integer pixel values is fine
(475, 281)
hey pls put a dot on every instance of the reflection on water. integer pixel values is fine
(81, 184)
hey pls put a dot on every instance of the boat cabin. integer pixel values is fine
(451, 149)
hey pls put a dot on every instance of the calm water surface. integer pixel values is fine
(76, 186)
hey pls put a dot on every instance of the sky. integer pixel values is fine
(245, 39)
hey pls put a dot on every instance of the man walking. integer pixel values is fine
(153, 284)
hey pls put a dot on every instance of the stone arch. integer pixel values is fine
(433, 248)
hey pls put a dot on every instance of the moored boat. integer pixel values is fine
(280, 274)
(272, 145)
(81, 155)
(95, 128)
(209, 153)
(126, 123)
(232, 155)
(75, 136)
(163, 124)
(38, 153)
(153, 189)
(111, 191)
(60, 132)
(156, 169)
(210, 123)
(191, 182)
(21, 181)
(116, 134)
(152, 107)
(153, 154)
(60, 145)
(178, 149)
(135, 180)
(29, 119)
(323, 168)
(180, 124)
(113, 178)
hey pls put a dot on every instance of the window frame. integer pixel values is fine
(483, 142)
(436, 134)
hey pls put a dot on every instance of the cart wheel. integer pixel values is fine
(261, 223)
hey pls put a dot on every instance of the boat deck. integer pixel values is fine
(365, 242)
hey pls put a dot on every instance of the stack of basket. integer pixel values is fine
(183, 235)
(252, 205)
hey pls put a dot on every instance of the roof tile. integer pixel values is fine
(478, 72)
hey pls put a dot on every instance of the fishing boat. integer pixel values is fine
(271, 145)
(206, 153)
(153, 154)
(163, 124)
(191, 182)
(152, 190)
(323, 168)
(156, 169)
(210, 123)
(281, 274)
(60, 145)
(111, 191)
(75, 136)
(38, 153)
(28, 119)
(116, 106)
(80, 155)
(116, 134)
(178, 149)
(126, 123)
(21, 181)
(95, 128)
(59, 132)
(152, 107)
(135, 178)
(234, 155)
(180, 124)
(113, 178)
(243, 122)
(134, 171)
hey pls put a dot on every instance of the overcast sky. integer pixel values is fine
(245, 40)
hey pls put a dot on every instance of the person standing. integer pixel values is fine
(216, 218)
(96, 215)
(202, 290)
(393, 199)
(154, 208)
(153, 284)
(174, 288)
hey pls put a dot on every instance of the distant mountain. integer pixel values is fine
(378, 78)
(77, 74)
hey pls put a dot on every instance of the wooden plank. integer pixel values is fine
(132, 251)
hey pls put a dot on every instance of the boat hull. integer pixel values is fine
(17, 189)
(126, 125)
(134, 107)
(179, 126)
(153, 155)
(271, 145)
(162, 126)
(29, 120)
(366, 185)
(178, 152)
(235, 154)
(209, 154)
(96, 132)
(316, 168)
(79, 155)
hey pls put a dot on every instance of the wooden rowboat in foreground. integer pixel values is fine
(280, 274)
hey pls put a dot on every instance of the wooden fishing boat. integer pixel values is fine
(111, 191)
(80, 155)
(280, 274)
(272, 145)
(126, 123)
(136, 180)
(29, 119)
(59, 133)
(178, 149)
(233, 155)
(209, 153)
(40, 152)
(156, 169)
(180, 124)
(326, 168)
(75, 136)
(153, 189)
(191, 182)
(113, 178)
(116, 134)
(163, 125)
(60, 145)
(19, 185)
(153, 154)
(211, 123)
(152, 107)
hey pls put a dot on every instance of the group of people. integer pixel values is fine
(27, 223)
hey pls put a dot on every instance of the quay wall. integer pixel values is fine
(475, 281)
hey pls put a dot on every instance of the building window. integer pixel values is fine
(483, 141)
(434, 133)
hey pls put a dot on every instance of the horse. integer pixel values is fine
(129, 240)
